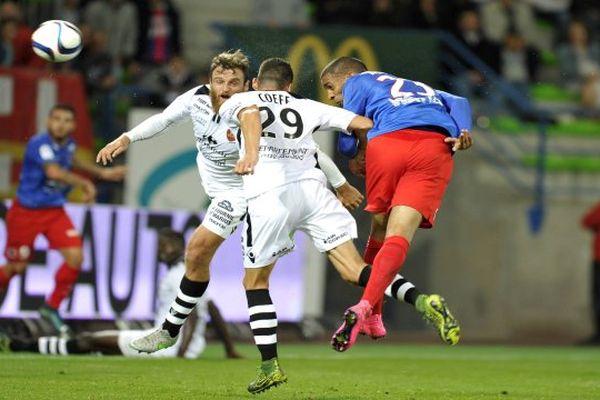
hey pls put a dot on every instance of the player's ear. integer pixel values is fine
(254, 83)
(246, 85)
(288, 88)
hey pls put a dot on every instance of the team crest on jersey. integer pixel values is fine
(230, 135)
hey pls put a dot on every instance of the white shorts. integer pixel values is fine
(225, 213)
(308, 206)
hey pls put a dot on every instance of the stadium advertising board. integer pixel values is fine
(121, 270)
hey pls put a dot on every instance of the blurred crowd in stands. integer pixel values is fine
(133, 51)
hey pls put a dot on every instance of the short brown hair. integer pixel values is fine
(231, 59)
(276, 70)
(63, 107)
(344, 65)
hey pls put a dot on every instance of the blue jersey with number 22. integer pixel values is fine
(394, 103)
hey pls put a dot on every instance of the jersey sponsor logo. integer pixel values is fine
(278, 153)
(225, 204)
(282, 252)
(351, 46)
(335, 237)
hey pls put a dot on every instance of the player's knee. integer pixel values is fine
(256, 280)
(15, 268)
(74, 259)
(197, 257)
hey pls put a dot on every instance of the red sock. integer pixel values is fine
(65, 279)
(378, 307)
(4, 278)
(388, 262)
(371, 250)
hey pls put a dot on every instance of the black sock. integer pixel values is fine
(188, 295)
(263, 322)
(364, 276)
(23, 345)
(401, 289)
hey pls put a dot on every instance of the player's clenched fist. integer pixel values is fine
(113, 149)
(246, 164)
(463, 142)
(349, 196)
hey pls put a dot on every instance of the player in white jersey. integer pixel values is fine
(190, 344)
(217, 155)
(285, 193)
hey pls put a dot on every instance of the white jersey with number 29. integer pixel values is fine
(287, 149)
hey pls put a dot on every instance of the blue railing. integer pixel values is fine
(457, 57)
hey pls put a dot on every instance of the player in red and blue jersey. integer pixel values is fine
(407, 161)
(45, 180)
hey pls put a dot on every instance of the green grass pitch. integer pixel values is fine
(367, 371)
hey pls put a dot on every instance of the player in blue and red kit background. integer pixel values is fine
(407, 161)
(45, 181)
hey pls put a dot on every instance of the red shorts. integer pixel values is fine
(24, 224)
(408, 168)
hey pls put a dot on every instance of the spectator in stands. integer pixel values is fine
(67, 10)
(23, 54)
(118, 20)
(578, 58)
(388, 13)
(432, 14)
(281, 13)
(472, 81)
(590, 95)
(340, 11)
(499, 17)
(518, 62)
(159, 36)
(8, 32)
(174, 79)
(591, 221)
(96, 65)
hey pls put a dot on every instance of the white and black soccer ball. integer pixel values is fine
(57, 41)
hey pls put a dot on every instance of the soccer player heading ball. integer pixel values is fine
(408, 167)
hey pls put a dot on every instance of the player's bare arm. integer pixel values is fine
(188, 333)
(221, 329)
(113, 149)
(56, 172)
(360, 126)
(463, 142)
(347, 194)
(113, 174)
(350, 197)
(251, 130)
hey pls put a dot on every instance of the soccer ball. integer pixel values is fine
(57, 41)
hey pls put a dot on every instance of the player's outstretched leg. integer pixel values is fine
(269, 375)
(435, 311)
(354, 318)
(156, 340)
